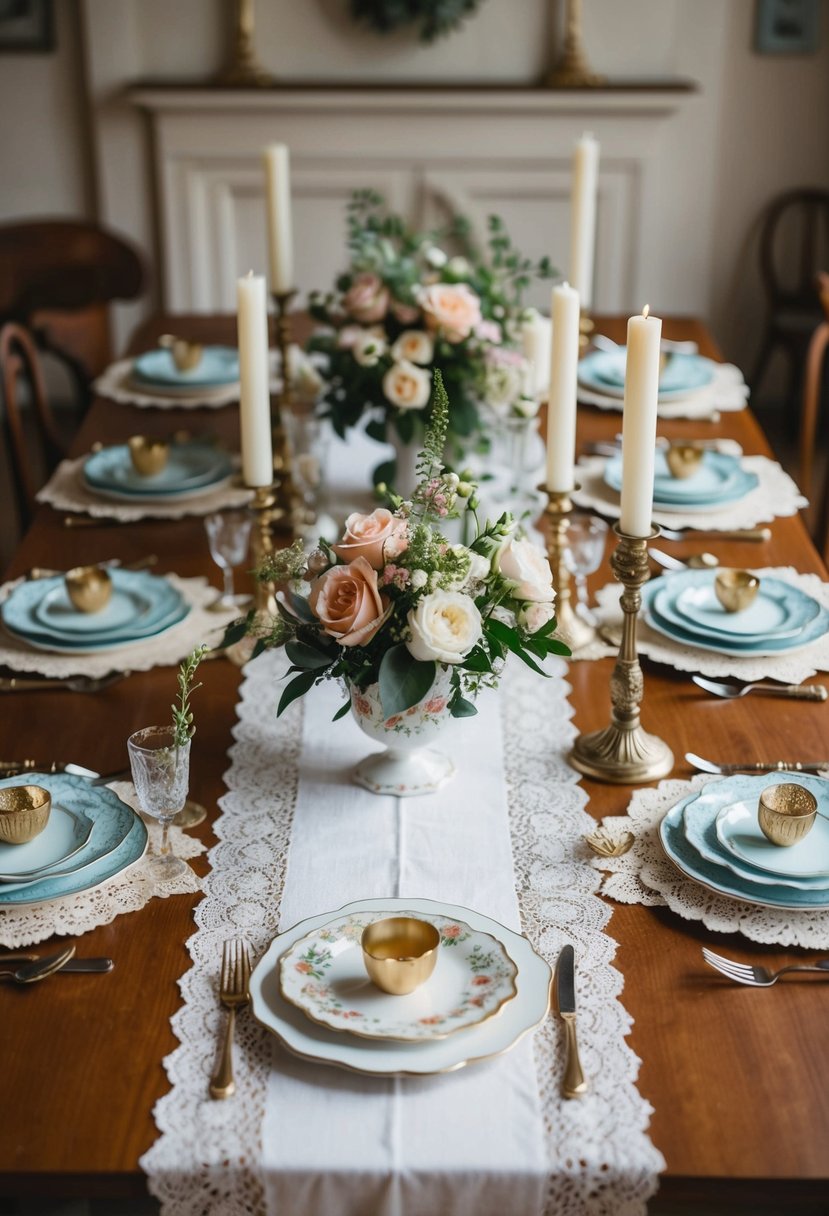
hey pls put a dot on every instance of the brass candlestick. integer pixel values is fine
(267, 515)
(623, 753)
(586, 328)
(570, 627)
(283, 482)
(244, 69)
(573, 71)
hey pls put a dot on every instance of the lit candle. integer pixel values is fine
(639, 423)
(255, 399)
(583, 216)
(280, 245)
(561, 410)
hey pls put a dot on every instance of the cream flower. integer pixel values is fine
(453, 309)
(444, 627)
(527, 569)
(532, 616)
(414, 346)
(407, 386)
(368, 349)
(503, 385)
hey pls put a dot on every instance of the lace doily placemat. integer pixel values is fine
(601, 1159)
(200, 625)
(727, 392)
(644, 875)
(126, 892)
(774, 496)
(117, 384)
(66, 490)
(790, 667)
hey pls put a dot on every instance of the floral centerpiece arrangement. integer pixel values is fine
(405, 307)
(414, 626)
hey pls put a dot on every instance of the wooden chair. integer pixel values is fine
(794, 245)
(33, 450)
(59, 278)
(813, 382)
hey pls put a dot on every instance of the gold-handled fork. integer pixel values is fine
(233, 992)
(756, 976)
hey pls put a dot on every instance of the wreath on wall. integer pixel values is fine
(433, 18)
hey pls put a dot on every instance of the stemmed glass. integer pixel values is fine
(308, 438)
(586, 536)
(228, 533)
(161, 774)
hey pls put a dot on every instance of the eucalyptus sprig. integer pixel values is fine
(183, 726)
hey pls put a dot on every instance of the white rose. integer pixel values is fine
(527, 568)
(419, 579)
(414, 346)
(435, 257)
(526, 407)
(503, 385)
(406, 386)
(459, 267)
(368, 349)
(444, 626)
(533, 616)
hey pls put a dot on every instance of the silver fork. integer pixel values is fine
(233, 992)
(756, 976)
(799, 692)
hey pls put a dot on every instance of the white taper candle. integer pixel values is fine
(255, 399)
(561, 408)
(280, 238)
(639, 423)
(583, 216)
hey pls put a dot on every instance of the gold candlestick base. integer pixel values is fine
(586, 327)
(573, 71)
(267, 515)
(285, 491)
(623, 753)
(570, 627)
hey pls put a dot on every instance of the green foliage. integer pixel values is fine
(404, 681)
(183, 725)
(433, 18)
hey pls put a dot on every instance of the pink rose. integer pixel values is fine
(347, 602)
(451, 930)
(362, 706)
(376, 538)
(367, 299)
(488, 331)
(436, 705)
(392, 721)
(406, 314)
(481, 979)
(451, 308)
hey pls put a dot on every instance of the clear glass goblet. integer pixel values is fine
(308, 438)
(228, 534)
(161, 775)
(585, 545)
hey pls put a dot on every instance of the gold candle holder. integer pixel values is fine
(283, 482)
(573, 71)
(267, 515)
(244, 69)
(570, 627)
(623, 753)
(586, 327)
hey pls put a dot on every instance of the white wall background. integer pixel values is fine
(759, 124)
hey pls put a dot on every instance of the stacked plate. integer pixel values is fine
(683, 375)
(720, 479)
(684, 607)
(91, 836)
(191, 469)
(714, 838)
(156, 372)
(488, 989)
(142, 606)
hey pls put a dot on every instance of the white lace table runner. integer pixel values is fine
(208, 1157)
(774, 496)
(727, 392)
(127, 892)
(644, 875)
(790, 667)
(169, 647)
(66, 490)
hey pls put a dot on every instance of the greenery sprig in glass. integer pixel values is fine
(183, 723)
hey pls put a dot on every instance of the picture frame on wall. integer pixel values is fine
(787, 27)
(27, 26)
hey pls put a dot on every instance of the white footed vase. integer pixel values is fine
(409, 766)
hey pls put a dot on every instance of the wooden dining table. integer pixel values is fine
(736, 1076)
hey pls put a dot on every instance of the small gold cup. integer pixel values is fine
(24, 812)
(786, 813)
(148, 456)
(186, 355)
(400, 953)
(88, 587)
(683, 459)
(736, 589)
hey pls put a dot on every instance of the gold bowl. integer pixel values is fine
(786, 813)
(148, 456)
(400, 953)
(24, 812)
(88, 587)
(186, 355)
(736, 589)
(683, 459)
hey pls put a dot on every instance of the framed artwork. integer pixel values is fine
(26, 25)
(787, 27)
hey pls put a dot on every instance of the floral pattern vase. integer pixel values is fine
(408, 767)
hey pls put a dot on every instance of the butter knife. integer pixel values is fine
(574, 1084)
(17, 768)
(78, 965)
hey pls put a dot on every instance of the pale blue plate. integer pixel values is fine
(191, 467)
(218, 365)
(604, 372)
(807, 862)
(65, 834)
(719, 878)
(720, 479)
(118, 841)
(689, 601)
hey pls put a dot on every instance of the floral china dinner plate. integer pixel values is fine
(310, 1041)
(323, 975)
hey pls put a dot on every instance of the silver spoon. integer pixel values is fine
(697, 561)
(30, 973)
(799, 692)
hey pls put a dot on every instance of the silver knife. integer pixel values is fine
(16, 768)
(781, 766)
(91, 965)
(574, 1084)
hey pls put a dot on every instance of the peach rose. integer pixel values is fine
(367, 299)
(451, 308)
(407, 386)
(376, 538)
(346, 601)
(414, 346)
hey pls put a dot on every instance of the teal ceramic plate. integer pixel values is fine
(64, 836)
(191, 469)
(118, 843)
(738, 832)
(219, 365)
(604, 372)
(719, 480)
(688, 600)
(719, 878)
(128, 606)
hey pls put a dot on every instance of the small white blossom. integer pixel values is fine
(419, 579)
